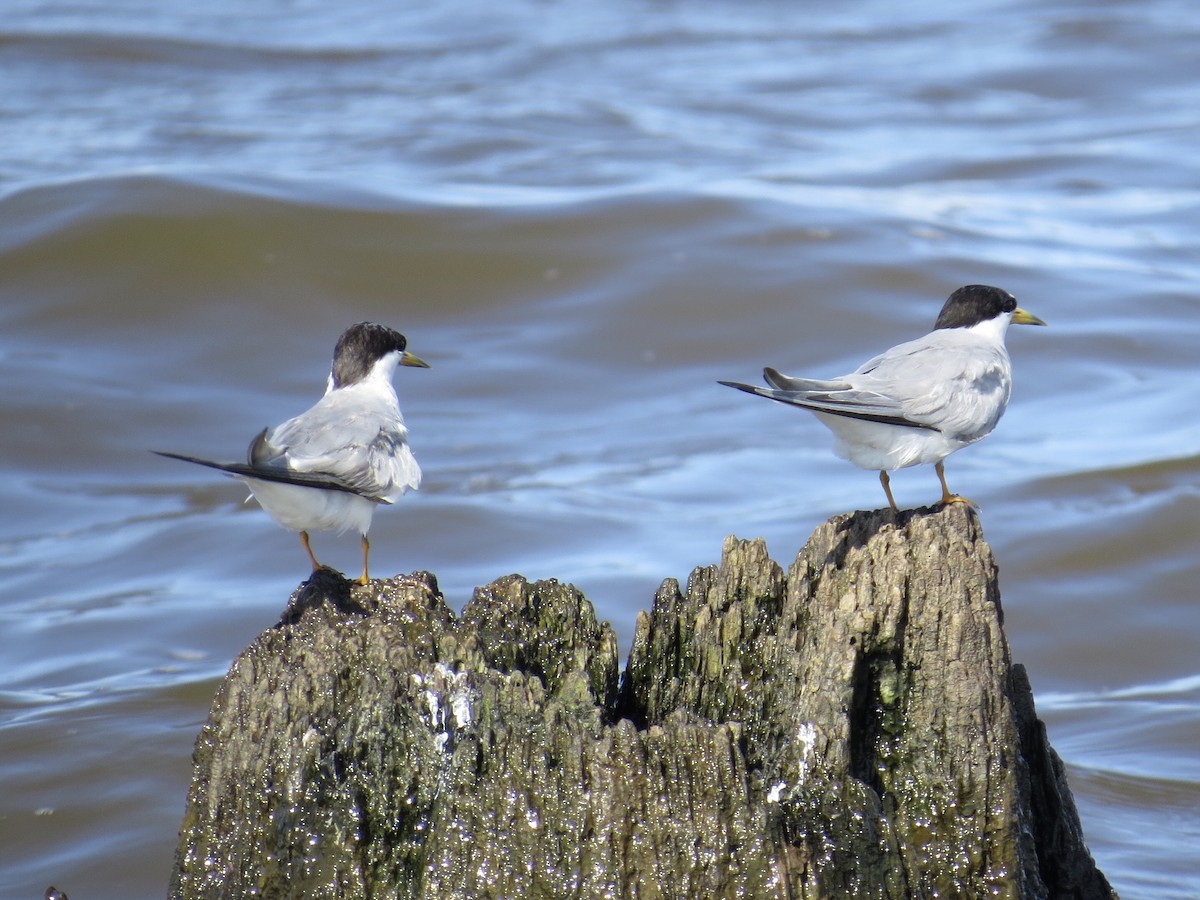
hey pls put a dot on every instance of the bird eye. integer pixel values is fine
(1010, 304)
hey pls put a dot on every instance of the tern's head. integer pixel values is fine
(976, 304)
(366, 349)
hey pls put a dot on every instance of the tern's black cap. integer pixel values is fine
(360, 347)
(973, 304)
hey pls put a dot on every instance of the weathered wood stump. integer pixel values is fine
(852, 727)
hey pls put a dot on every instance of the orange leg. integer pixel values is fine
(948, 497)
(887, 489)
(308, 549)
(366, 549)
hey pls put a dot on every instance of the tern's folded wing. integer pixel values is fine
(850, 403)
(777, 379)
(854, 404)
(365, 449)
(316, 480)
(838, 397)
(381, 468)
(949, 381)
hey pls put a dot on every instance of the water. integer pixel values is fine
(582, 216)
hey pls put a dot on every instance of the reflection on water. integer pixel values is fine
(582, 218)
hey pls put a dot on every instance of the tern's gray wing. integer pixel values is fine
(846, 402)
(949, 380)
(836, 396)
(280, 475)
(945, 381)
(777, 379)
(354, 439)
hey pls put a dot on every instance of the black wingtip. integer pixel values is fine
(169, 455)
(195, 460)
(316, 480)
(749, 389)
